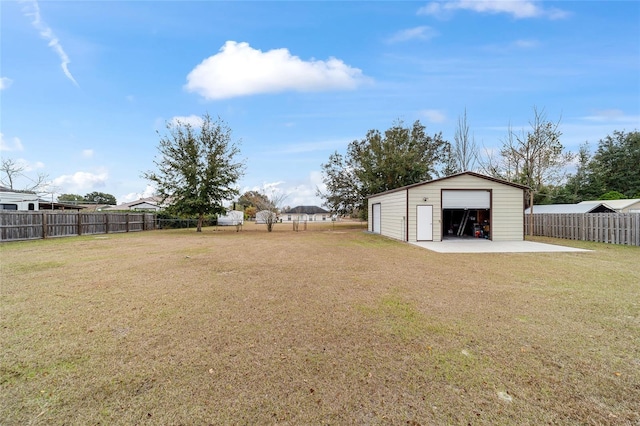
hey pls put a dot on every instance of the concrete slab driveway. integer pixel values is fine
(479, 245)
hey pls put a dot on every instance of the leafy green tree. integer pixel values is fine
(197, 168)
(380, 162)
(70, 198)
(253, 199)
(612, 195)
(100, 198)
(615, 166)
(343, 190)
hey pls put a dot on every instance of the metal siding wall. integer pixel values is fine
(416, 198)
(393, 208)
(507, 207)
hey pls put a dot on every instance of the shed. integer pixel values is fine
(631, 205)
(464, 205)
(231, 218)
(588, 207)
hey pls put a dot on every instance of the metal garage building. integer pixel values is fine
(464, 205)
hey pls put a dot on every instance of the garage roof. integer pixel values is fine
(478, 175)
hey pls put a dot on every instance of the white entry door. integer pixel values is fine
(424, 231)
(375, 220)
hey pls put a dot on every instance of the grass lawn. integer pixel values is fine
(327, 326)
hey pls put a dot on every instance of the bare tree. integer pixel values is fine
(465, 150)
(12, 171)
(536, 157)
(269, 208)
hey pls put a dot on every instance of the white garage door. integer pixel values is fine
(375, 220)
(466, 199)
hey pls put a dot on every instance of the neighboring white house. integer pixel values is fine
(305, 214)
(466, 204)
(631, 205)
(263, 216)
(231, 218)
(18, 201)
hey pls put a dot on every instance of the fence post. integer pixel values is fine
(106, 223)
(79, 224)
(44, 225)
(126, 221)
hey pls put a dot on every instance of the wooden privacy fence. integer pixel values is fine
(47, 224)
(614, 228)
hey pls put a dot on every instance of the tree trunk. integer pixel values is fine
(200, 220)
(531, 213)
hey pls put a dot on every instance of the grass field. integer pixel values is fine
(328, 326)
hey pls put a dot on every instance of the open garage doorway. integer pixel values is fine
(466, 214)
(466, 223)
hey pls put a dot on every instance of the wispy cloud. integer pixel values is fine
(32, 10)
(10, 146)
(423, 33)
(518, 9)
(515, 45)
(192, 120)
(240, 70)
(5, 82)
(612, 115)
(433, 115)
(87, 153)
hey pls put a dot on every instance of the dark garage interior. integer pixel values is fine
(466, 223)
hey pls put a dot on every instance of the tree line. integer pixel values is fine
(197, 167)
(533, 156)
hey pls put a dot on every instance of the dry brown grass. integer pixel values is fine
(328, 326)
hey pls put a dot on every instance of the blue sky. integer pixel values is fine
(86, 85)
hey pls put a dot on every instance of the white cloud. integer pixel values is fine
(301, 193)
(5, 82)
(80, 182)
(612, 115)
(11, 146)
(418, 33)
(193, 120)
(519, 9)
(434, 115)
(149, 191)
(32, 10)
(87, 153)
(30, 167)
(240, 70)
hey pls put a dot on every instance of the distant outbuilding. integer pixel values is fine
(586, 207)
(631, 205)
